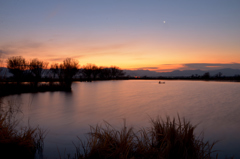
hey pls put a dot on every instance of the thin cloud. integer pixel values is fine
(210, 66)
(9, 52)
(29, 48)
(60, 59)
(106, 48)
(4, 52)
(23, 44)
(20, 48)
(102, 50)
(190, 66)
(147, 68)
(54, 12)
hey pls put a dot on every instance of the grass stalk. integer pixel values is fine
(16, 141)
(164, 139)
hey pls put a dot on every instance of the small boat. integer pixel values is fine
(161, 82)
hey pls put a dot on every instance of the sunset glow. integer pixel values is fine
(156, 35)
(101, 78)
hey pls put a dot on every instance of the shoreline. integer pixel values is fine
(12, 87)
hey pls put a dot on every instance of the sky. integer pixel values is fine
(157, 35)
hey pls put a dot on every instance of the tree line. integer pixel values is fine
(37, 70)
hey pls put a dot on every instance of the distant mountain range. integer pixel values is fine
(175, 73)
(184, 73)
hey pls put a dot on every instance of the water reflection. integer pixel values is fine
(215, 105)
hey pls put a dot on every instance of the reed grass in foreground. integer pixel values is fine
(18, 142)
(165, 139)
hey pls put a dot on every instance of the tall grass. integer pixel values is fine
(16, 141)
(164, 139)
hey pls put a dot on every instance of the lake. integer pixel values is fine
(215, 106)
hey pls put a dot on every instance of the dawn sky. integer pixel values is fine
(158, 35)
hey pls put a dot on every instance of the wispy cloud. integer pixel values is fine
(4, 52)
(190, 66)
(117, 47)
(60, 59)
(54, 12)
(146, 68)
(55, 52)
(20, 48)
(210, 66)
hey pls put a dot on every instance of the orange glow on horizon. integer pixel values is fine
(133, 55)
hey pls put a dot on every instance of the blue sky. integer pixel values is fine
(128, 33)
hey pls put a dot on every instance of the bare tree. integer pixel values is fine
(36, 67)
(69, 69)
(55, 69)
(206, 75)
(16, 66)
(88, 70)
(105, 73)
(116, 72)
(95, 71)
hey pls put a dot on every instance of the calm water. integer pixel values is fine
(215, 105)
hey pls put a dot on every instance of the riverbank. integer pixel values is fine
(10, 88)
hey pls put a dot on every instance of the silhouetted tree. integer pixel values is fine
(219, 75)
(88, 70)
(116, 72)
(237, 77)
(92, 71)
(196, 76)
(105, 73)
(69, 68)
(206, 75)
(95, 71)
(55, 69)
(36, 67)
(113, 70)
(16, 66)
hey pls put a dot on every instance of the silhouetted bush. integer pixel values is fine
(206, 75)
(116, 72)
(69, 68)
(15, 141)
(168, 139)
(16, 66)
(89, 70)
(56, 71)
(95, 71)
(36, 67)
(105, 73)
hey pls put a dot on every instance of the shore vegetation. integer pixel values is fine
(18, 141)
(164, 139)
(30, 76)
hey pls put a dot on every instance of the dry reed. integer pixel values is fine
(16, 141)
(165, 139)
